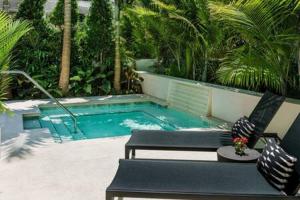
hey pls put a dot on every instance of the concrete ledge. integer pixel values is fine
(31, 106)
(227, 103)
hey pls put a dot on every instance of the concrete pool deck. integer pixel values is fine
(74, 170)
(33, 166)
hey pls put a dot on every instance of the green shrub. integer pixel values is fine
(57, 19)
(94, 37)
(32, 10)
(57, 16)
(38, 53)
(99, 32)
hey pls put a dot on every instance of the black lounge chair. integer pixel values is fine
(167, 179)
(203, 140)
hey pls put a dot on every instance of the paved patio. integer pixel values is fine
(33, 166)
(41, 169)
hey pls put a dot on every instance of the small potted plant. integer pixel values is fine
(240, 145)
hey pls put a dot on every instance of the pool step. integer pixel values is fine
(31, 123)
(61, 129)
(69, 124)
(46, 123)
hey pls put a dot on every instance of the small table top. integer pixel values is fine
(227, 154)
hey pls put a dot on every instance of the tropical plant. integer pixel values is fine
(187, 39)
(99, 33)
(38, 53)
(66, 51)
(118, 6)
(32, 10)
(10, 33)
(267, 45)
(132, 81)
(57, 16)
(93, 74)
(91, 81)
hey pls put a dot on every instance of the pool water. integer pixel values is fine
(98, 121)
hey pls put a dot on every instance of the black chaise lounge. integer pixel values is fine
(202, 140)
(166, 179)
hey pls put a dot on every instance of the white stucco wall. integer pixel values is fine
(156, 86)
(227, 104)
(11, 126)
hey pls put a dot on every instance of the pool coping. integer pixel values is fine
(12, 125)
(31, 107)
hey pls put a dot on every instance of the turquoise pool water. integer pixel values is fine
(98, 121)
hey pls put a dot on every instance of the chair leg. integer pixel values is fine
(133, 154)
(109, 196)
(127, 153)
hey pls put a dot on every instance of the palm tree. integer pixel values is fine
(266, 45)
(10, 34)
(66, 52)
(117, 70)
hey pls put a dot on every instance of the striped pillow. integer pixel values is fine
(278, 167)
(243, 128)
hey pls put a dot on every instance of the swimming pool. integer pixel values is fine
(110, 120)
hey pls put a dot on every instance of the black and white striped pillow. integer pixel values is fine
(278, 167)
(243, 128)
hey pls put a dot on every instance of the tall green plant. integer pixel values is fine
(57, 16)
(65, 17)
(95, 38)
(268, 37)
(10, 33)
(187, 38)
(32, 10)
(38, 52)
(99, 32)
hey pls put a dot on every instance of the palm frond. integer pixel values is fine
(266, 60)
(10, 33)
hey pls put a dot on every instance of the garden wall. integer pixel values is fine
(226, 103)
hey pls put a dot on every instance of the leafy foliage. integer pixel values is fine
(270, 35)
(38, 53)
(251, 44)
(99, 33)
(132, 82)
(57, 16)
(95, 38)
(10, 33)
(32, 10)
(186, 38)
(88, 81)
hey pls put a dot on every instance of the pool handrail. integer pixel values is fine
(19, 72)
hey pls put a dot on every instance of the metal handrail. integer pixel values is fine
(45, 92)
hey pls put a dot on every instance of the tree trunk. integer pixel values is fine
(117, 72)
(299, 61)
(188, 62)
(204, 73)
(66, 52)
